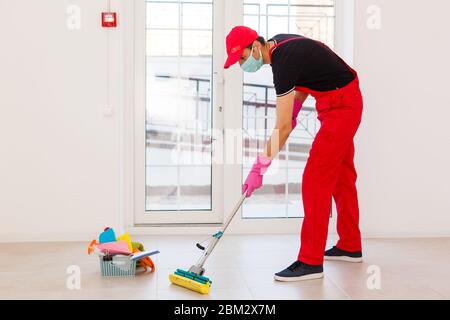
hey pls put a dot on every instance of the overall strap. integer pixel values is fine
(355, 74)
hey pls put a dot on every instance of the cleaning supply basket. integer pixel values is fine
(117, 266)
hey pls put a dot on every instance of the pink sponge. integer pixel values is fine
(117, 247)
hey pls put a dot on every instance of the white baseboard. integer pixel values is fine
(188, 230)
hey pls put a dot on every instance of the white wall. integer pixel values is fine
(403, 149)
(59, 163)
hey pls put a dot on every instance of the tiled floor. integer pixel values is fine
(241, 267)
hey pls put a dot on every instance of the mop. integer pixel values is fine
(194, 279)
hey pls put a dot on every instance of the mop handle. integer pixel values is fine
(235, 210)
(215, 240)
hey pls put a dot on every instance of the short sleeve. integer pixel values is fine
(285, 68)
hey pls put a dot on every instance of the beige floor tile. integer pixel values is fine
(30, 295)
(30, 281)
(393, 292)
(179, 293)
(110, 294)
(299, 291)
(254, 260)
(241, 267)
(442, 289)
(342, 273)
(142, 281)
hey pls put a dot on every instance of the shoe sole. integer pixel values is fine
(344, 259)
(302, 278)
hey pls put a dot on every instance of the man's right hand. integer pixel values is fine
(254, 180)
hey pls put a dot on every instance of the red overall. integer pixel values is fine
(330, 172)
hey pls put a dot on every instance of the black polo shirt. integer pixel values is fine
(306, 63)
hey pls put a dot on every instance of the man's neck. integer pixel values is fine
(266, 52)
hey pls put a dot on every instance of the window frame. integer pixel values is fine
(142, 217)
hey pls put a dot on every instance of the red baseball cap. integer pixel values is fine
(238, 39)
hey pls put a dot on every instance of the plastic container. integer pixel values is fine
(119, 266)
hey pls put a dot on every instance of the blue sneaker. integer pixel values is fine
(336, 254)
(300, 271)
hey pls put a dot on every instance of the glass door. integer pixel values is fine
(177, 181)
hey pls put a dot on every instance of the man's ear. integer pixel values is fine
(257, 44)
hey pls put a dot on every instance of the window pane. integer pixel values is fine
(178, 105)
(294, 199)
(162, 42)
(270, 200)
(277, 10)
(162, 15)
(251, 9)
(161, 188)
(196, 16)
(197, 43)
(252, 22)
(195, 188)
(277, 25)
(165, 144)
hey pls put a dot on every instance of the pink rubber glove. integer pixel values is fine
(254, 180)
(297, 108)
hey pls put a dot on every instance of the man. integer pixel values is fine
(303, 67)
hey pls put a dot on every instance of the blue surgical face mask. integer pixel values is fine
(253, 65)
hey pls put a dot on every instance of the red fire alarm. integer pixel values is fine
(109, 19)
